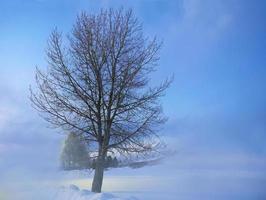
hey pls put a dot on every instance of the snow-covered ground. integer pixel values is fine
(179, 177)
(72, 192)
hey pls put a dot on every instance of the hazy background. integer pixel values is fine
(216, 105)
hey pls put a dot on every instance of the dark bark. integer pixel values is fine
(98, 178)
(98, 174)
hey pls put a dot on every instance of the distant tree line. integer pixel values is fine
(110, 162)
(75, 155)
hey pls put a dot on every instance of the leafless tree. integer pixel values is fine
(97, 85)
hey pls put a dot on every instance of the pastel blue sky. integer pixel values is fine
(215, 49)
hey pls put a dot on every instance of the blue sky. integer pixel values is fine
(215, 49)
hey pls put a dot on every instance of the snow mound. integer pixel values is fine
(104, 196)
(74, 193)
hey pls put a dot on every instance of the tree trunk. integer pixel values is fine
(98, 175)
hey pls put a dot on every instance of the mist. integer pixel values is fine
(215, 106)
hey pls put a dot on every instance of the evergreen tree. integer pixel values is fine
(74, 154)
(93, 164)
(115, 162)
(108, 162)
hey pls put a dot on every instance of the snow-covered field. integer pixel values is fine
(182, 178)
(72, 192)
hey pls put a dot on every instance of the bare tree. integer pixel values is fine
(97, 85)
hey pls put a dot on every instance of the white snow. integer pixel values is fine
(180, 177)
(74, 193)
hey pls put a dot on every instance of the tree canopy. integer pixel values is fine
(97, 85)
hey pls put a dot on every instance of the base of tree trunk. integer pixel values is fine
(98, 178)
